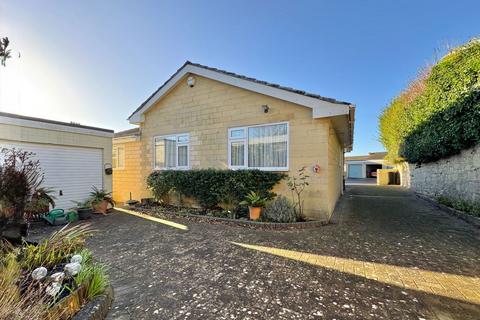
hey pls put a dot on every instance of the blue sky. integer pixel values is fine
(94, 62)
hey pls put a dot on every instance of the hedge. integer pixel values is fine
(210, 187)
(438, 115)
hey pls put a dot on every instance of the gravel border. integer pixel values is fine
(98, 308)
(238, 222)
(454, 212)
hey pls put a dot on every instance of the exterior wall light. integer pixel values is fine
(265, 108)
(191, 81)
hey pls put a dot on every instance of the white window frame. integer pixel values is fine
(178, 144)
(115, 163)
(245, 141)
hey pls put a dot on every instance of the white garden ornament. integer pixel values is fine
(57, 277)
(39, 273)
(76, 259)
(53, 289)
(72, 268)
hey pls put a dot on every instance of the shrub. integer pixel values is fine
(279, 210)
(468, 207)
(438, 115)
(297, 185)
(20, 176)
(211, 187)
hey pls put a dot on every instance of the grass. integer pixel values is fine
(96, 277)
(30, 304)
(471, 208)
(55, 249)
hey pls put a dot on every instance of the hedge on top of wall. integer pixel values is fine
(438, 115)
(210, 187)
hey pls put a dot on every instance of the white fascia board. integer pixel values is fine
(53, 127)
(321, 108)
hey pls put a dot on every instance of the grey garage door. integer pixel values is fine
(355, 171)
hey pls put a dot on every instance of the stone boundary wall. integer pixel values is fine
(456, 177)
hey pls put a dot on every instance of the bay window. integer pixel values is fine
(171, 152)
(263, 147)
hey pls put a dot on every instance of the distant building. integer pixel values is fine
(358, 167)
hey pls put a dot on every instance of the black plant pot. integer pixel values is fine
(84, 213)
(13, 231)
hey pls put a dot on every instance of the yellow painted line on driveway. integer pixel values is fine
(448, 285)
(147, 217)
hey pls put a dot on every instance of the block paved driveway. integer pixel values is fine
(388, 255)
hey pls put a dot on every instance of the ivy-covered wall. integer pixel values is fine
(438, 115)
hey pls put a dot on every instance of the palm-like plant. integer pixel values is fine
(98, 195)
(42, 198)
(254, 200)
(4, 52)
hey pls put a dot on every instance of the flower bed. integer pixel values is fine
(49, 280)
(220, 217)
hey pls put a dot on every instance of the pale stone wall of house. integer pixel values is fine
(207, 110)
(335, 169)
(457, 176)
(20, 133)
(128, 180)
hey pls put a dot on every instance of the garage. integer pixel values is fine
(70, 171)
(355, 171)
(72, 156)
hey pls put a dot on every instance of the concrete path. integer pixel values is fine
(388, 255)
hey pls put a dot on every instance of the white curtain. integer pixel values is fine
(237, 152)
(165, 152)
(182, 156)
(267, 146)
(171, 152)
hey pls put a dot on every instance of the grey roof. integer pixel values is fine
(70, 124)
(274, 85)
(127, 133)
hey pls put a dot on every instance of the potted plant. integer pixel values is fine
(84, 209)
(40, 203)
(100, 200)
(255, 204)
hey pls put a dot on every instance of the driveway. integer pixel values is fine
(361, 182)
(388, 255)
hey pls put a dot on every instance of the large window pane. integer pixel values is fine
(237, 152)
(182, 156)
(165, 152)
(267, 146)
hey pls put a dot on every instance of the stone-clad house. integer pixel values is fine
(208, 118)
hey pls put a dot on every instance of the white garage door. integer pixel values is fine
(355, 171)
(71, 171)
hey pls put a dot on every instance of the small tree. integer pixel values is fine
(297, 185)
(4, 52)
(20, 176)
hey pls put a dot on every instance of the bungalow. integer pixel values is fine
(208, 118)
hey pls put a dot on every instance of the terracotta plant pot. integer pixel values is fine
(101, 207)
(254, 212)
